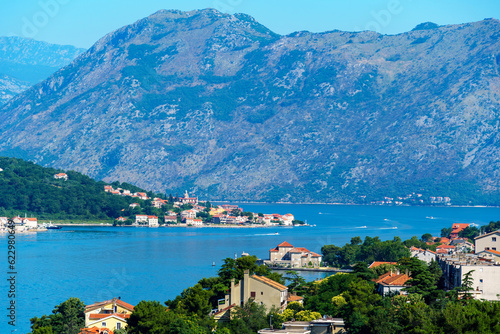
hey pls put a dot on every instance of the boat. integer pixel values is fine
(50, 226)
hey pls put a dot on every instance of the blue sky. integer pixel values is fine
(83, 22)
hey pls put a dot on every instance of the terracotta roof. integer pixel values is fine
(284, 244)
(492, 251)
(273, 250)
(379, 263)
(459, 226)
(445, 247)
(444, 240)
(93, 330)
(382, 277)
(96, 316)
(101, 304)
(294, 298)
(399, 280)
(299, 250)
(270, 282)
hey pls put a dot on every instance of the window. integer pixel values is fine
(118, 326)
(494, 248)
(481, 280)
(252, 294)
(116, 309)
(494, 239)
(103, 324)
(262, 293)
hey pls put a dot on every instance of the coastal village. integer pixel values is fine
(456, 256)
(188, 211)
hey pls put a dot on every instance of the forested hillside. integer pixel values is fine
(29, 188)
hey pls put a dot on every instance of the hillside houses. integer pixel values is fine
(61, 176)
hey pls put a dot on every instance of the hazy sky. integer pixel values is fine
(83, 22)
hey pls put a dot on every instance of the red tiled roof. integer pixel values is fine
(284, 244)
(459, 226)
(492, 251)
(96, 316)
(273, 250)
(379, 263)
(399, 280)
(445, 247)
(118, 302)
(270, 282)
(294, 298)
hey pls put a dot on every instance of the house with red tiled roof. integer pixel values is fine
(63, 176)
(457, 228)
(110, 314)
(261, 290)
(391, 282)
(286, 255)
(423, 254)
(379, 263)
(95, 330)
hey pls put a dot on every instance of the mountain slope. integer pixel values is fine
(25, 62)
(220, 105)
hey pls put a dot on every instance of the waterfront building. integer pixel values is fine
(188, 200)
(286, 255)
(111, 314)
(457, 228)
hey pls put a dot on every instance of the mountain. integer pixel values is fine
(25, 62)
(222, 106)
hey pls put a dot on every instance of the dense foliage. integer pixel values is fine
(67, 318)
(29, 188)
(369, 250)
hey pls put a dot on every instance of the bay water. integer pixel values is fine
(136, 263)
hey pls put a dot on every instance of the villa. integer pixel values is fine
(286, 255)
(110, 314)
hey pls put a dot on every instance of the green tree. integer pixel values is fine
(67, 317)
(43, 330)
(445, 232)
(296, 281)
(426, 237)
(149, 317)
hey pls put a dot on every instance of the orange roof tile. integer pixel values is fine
(492, 251)
(284, 244)
(294, 298)
(379, 263)
(270, 282)
(445, 247)
(399, 280)
(96, 316)
(101, 304)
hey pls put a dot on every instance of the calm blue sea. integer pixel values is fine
(98, 263)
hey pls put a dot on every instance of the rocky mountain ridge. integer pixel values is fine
(25, 62)
(220, 105)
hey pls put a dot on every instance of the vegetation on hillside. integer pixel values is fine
(27, 188)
